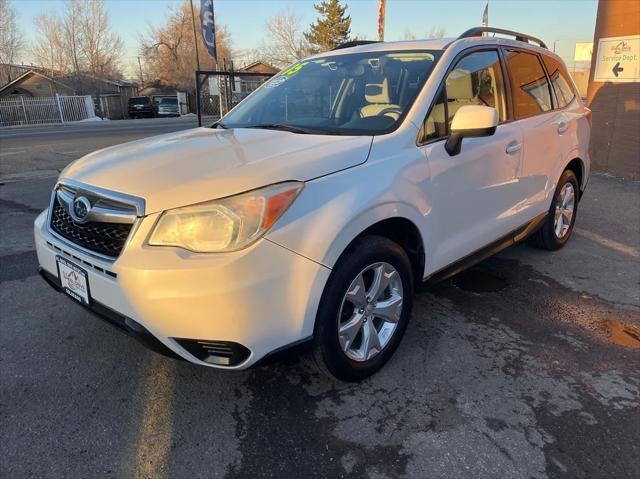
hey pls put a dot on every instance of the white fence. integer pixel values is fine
(54, 109)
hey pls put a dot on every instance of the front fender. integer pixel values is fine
(330, 212)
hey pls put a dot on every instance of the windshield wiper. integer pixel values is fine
(219, 124)
(289, 128)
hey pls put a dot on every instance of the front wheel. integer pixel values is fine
(558, 226)
(364, 309)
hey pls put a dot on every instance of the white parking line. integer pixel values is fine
(156, 425)
(132, 128)
(7, 153)
(28, 176)
(608, 243)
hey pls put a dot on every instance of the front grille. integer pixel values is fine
(104, 238)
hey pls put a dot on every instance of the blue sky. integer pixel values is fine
(564, 21)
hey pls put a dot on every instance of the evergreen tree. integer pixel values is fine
(332, 28)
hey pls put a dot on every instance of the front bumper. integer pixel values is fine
(262, 298)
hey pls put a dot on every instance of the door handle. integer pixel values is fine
(562, 127)
(513, 147)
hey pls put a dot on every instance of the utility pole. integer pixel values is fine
(140, 70)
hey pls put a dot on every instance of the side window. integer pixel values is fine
(531, 94)
(560, 81)
(475, 80)
(435, 125)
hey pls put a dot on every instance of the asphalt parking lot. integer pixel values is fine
(526, 366)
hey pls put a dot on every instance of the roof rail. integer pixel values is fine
(521, 37)
(354, 43)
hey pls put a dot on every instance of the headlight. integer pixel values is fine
(227, 224)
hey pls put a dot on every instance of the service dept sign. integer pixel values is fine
(618, 59)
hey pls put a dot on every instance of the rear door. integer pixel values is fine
(571, 122)
(542, 125)
(475, 194)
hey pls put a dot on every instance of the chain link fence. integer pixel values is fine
(217, 92)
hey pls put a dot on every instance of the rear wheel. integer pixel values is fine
(558, 226)
(364, 309)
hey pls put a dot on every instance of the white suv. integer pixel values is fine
(313, 209)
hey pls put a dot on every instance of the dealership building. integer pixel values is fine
(614, 89)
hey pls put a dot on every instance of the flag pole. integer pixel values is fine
(195, 44)
(485, 18)
(195, 37)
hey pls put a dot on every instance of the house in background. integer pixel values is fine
(243, 85)
(157, 91)
(260, 67)
(34, 84)
(109, 96)
(11, 71)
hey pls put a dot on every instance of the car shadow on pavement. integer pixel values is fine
(502, 372)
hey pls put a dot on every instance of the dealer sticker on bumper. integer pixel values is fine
(73, 280)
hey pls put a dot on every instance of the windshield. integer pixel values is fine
(169, 101)
(352, 94)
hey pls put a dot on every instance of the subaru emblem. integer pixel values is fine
(80, 209)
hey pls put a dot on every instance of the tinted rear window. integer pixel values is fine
(138, 101)
(169, 101)
(560, 81)
(529, 84)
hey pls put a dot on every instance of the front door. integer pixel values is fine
(476, 196)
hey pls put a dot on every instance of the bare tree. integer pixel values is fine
(11, 44)
(409, 35)
(286, 42)
(70, 23)
(49, 49)
(80, 41)
(168, 50)
(100, 48)
(436, 32)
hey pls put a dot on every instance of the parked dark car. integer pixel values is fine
(142, 107)
(168, 107)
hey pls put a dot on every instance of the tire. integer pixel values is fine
(551, 236)
(367, 259)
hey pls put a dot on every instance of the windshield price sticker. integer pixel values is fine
(295, 69)
(277, 81)
(280, 79)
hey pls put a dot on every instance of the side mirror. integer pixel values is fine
(471, 121)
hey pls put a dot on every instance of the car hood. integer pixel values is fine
(202, 164)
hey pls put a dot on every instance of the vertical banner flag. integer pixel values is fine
(485, 16)
(381, 20)
(208, 27)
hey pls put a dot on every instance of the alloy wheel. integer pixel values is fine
(565, 206)
(370, 311)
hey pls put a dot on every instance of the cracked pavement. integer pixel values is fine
(525, 366)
